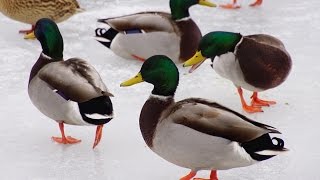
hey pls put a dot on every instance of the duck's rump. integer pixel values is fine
(263, 60)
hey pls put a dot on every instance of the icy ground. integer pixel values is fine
(28, 153)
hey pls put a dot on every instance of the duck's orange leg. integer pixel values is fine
(247, 108)
(138, 58)
(27, 31)
(213, 176)
(257, 3)
(189, 176)
(98, 135)
(64, 139)
(232, 5)
(259, 102)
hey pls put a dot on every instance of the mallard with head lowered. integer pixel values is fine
(69, 92)
(141, 35)
(196, 133)
(256, 62)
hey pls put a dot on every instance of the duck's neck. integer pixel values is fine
(150, 115)
(53, 48)
(179, 10)
(168, 85)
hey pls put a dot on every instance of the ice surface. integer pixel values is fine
(28, 153)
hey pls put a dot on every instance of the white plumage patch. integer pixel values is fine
(102, 39)
(98, 116)
(270, 152)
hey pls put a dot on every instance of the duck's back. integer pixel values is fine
(264, 61)
(29, 11)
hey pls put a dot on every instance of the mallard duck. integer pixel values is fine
(141, 35)
(256, 62)
(30, 11)
(196, 133)
(234, 5)
(69, 92)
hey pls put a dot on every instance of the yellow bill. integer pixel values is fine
(207, 3)
(195, 61)
(135, 80)
(30, 36)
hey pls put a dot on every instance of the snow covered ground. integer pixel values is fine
(28, 153)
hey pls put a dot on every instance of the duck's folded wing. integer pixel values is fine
(216, 120)
(145, 21)
(75, 79)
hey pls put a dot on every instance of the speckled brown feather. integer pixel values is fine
(263, 60)
(30, 11)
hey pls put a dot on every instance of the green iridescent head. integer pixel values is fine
(47, 32)
(180, 8)
(160, 71)
(214, 44)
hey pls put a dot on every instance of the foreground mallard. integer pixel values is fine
(256, 62)
(70, 91)
(234, 5)
(141, 35)
(30, 11)
(195, 133)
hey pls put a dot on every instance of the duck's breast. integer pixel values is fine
(227, 66)
(190, 35)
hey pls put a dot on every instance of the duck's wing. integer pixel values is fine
(74, 79)
(216, 120)
(144, 21)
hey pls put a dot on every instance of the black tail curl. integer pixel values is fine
(109, 35)
(280, 143)
(263, 143)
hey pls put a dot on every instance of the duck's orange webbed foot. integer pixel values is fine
(257, 3)
(259, 102)
(27, 31)
(189, 176)
(232, 5)
(247, 108)
(64, 139)
(252, 109)
(213, 176)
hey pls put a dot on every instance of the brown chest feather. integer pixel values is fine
(150, 116)
(190, 38)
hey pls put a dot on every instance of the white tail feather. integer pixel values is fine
(272, 152)
(98, 116)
